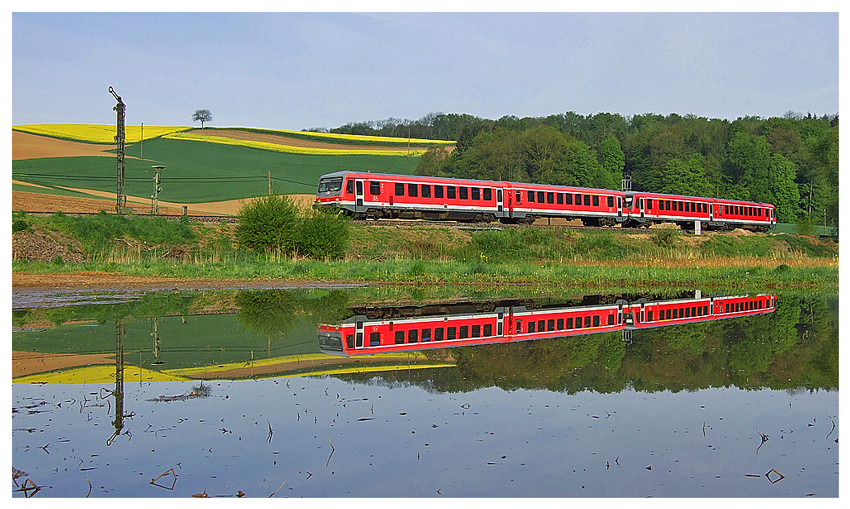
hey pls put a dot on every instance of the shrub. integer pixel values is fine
(19, 225)
(268, 223)
(323, 235)
(665, 237)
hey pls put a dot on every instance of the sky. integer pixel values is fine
(306, 70)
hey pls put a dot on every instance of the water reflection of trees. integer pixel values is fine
(795, 347)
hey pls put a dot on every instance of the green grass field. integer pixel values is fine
(199, 172)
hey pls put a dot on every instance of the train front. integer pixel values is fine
(330, 193)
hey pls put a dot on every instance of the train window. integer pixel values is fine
(412, 336)
(687, 206)
(611, 201)
(550, 325)
(648, 317)
(705, 310)
(488, 329)
(540, 197)
(569, 323)
(519, 327)
(667, 202)
(578, 199)
(560, 197)
(560, 324)
(596, 321)
(451, 192)
(349, 186)
(578, 322)
(426, 191)
(532, 326)
(438, 191)
(399, 337)
(687, 312)
(476, 331)
(464, 331)
(375, 339)
(476, 193)
(675, 313)
(438, 334)
(531, 196)
(451, 333)
(412, 190)
(595, 200)
(374, 187)
(488, 194)
(587, 200)
(587, 321)
(358, 340)
(464, 193)
(399, 189)
(519, 196)
(611, 319)
(550, 197)
(426, 335)
(569, 198)
(541, 326)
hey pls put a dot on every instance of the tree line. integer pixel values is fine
(790, 161)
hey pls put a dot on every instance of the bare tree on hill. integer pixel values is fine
(202, 116)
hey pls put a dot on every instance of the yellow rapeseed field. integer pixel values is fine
(359, 137)
(96, 133)
(277, 147)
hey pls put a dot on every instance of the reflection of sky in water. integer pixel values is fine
(406, 441)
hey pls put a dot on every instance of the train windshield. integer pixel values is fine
(330, 186)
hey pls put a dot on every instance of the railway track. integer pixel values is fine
(170, 217)
(396, 223)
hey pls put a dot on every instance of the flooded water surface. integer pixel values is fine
(358, 393)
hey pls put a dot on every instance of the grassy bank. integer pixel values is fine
(435, 255)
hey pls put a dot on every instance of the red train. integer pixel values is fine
(376, 195)
(507, 322)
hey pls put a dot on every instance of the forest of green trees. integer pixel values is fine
(789, 161)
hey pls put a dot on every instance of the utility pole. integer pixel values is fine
(156, 190)
(120, 194)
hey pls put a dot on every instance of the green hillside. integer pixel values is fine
(200, 172)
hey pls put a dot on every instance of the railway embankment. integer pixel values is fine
(434, 254)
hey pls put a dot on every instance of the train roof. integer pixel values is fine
(682, 196)
(456, 179)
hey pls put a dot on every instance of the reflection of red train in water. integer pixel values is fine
(392, 330)
(378, 195)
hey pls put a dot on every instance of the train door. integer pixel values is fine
(358, 196)
(640, 207)
(619, 207)
(500, 203)
(500, 323)
(358, 329)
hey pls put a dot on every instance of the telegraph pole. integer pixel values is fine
(156, 190)
(120, 194)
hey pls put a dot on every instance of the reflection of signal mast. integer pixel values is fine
(120, 333)
(391, 331)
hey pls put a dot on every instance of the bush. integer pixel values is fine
(19, 225)
(323, 235)
(268, 223)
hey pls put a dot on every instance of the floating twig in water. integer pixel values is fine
(278, 489)
(764, 438)
(270, 431)
(833, 426)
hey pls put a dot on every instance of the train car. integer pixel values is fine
(645, 209)
(594, 207)
(376, 195)
(362, 334)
